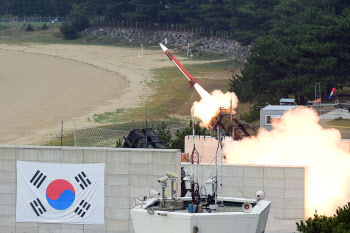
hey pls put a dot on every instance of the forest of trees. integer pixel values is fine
(246, 19)
(297, 43)
(308, 43)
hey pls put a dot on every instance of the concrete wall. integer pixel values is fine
(129, 174)
(284, 186)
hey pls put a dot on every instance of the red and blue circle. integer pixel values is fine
(60, 194)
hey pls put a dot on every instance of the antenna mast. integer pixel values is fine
(231, 116)
(146, 111)
(194, 159)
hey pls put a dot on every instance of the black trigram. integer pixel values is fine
(82, 208)
(38, 207)
(83, 180)
(38, 179)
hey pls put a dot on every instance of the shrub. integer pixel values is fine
(29, 28)
(44, 27)
(251, 116)
(339, 223)
(69, 31)
(119, 143)
(163, 134)
(81, 23)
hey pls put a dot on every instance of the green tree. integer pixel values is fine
(215, 15)
(116, 9)
(307, 45)
(69, 31)
(190, 11)
(179, 141)
(339, 223)
(144, 11)
(250, 18)
(6, 6)
(58, 7)
(164, 134)
(29, 28)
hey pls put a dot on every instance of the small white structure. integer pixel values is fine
(273, 112)
(146, 221)
(285, 101)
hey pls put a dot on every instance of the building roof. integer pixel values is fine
(280, 107)
(284, 100)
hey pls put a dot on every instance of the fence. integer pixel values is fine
(105, 21)
(19, 21)
(32, 19)
(98, 137)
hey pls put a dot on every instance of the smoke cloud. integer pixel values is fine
(299, 139)
(209, 105)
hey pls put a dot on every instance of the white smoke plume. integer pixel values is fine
(298, 139)
(209, 105)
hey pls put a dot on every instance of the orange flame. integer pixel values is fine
(209, 105)
(296, 139)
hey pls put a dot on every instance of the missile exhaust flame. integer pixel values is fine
(210, 104)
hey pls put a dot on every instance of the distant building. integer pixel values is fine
(285, 101)
(273, 112)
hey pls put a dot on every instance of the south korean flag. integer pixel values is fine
(60, 193)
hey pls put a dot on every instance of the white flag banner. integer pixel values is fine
(60, 193)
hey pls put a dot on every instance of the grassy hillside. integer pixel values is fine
(172, 96)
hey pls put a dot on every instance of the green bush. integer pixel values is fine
(339, 223)
(44, 27)
(177, 141)
(81, 23)
(251, 116)
(29, 28)
(69, 31)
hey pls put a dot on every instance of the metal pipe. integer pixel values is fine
(163, 196)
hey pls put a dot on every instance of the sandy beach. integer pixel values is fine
(41, 85)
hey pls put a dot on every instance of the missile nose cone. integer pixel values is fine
(163, 47)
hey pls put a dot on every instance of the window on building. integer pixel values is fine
(269, 119)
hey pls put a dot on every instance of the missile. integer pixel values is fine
(176, 62)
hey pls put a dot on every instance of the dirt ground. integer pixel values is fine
(41, 85)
